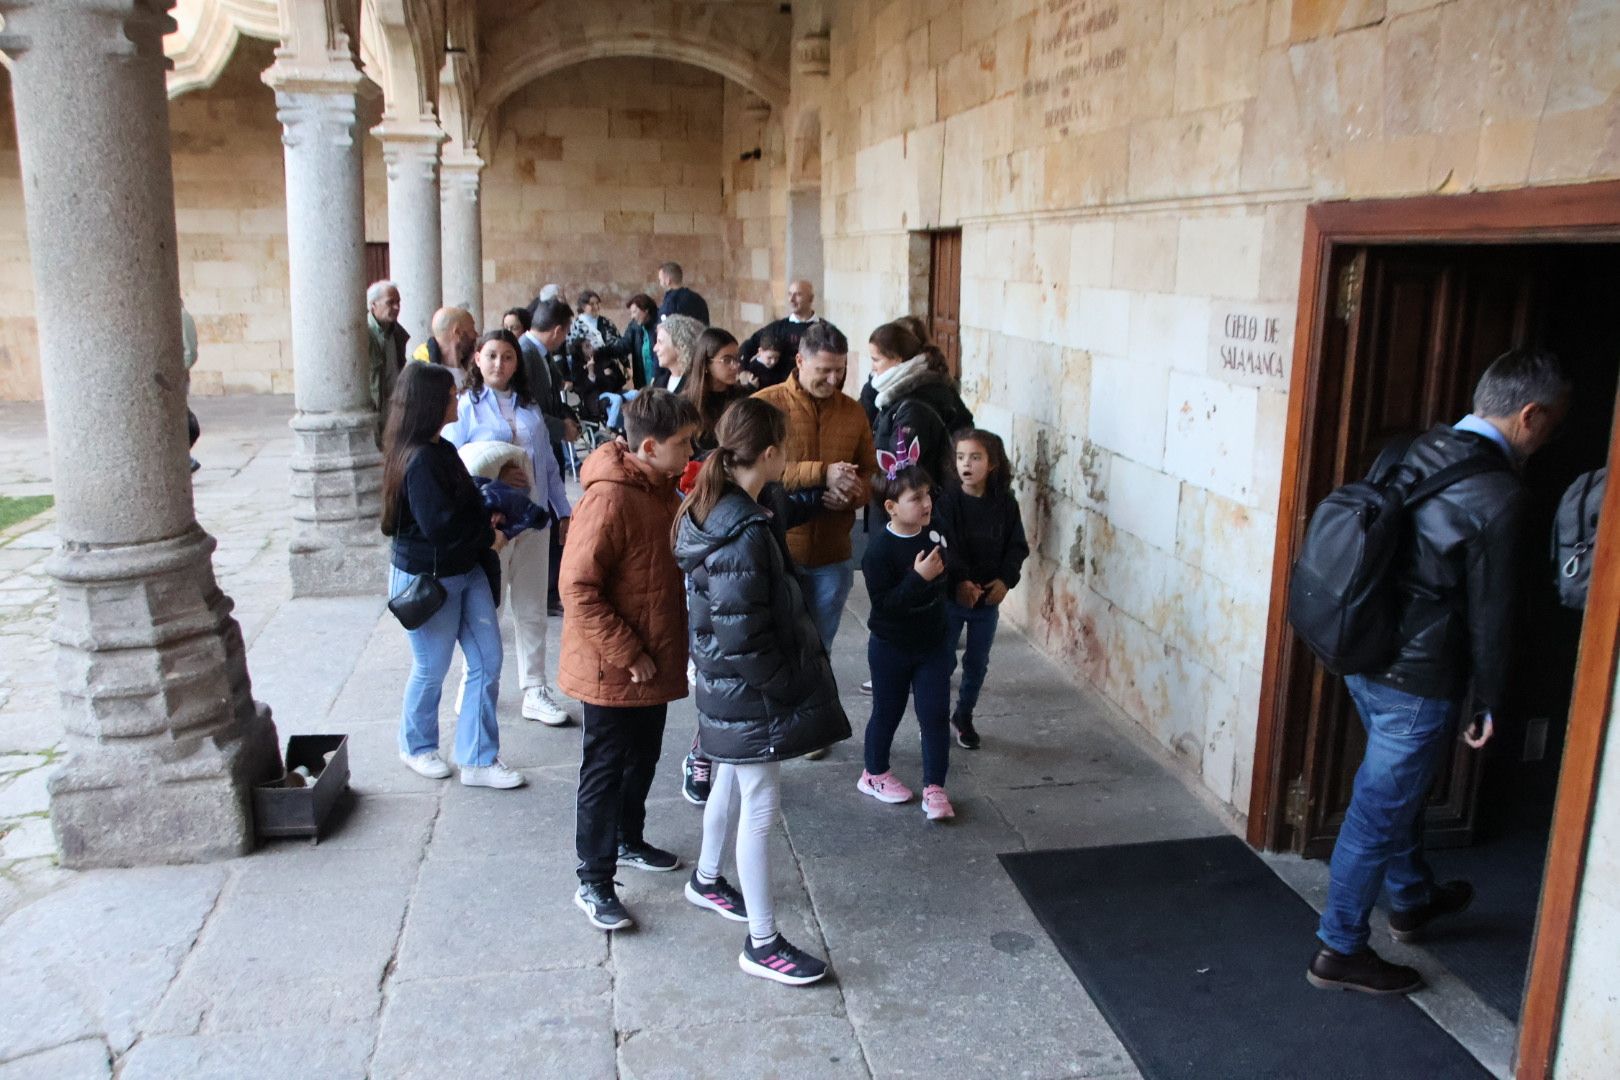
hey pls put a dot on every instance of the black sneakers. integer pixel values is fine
(601, 905)
(780, 962)
(718, 896)
(1447, 899)
(646, 857)
(966, 737)
(1365, 971)
(697, 774)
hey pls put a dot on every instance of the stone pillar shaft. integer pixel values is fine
(164, 738)
(463, 237)
(415, 245)
(336, 466)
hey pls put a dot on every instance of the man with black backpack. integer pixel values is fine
(1453, 596)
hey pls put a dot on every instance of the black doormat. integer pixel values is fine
(1196, 952)
(1488, 946)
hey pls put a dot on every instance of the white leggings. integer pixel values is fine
(758, 788)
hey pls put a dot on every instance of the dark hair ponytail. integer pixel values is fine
(746, 430)
(898, 340)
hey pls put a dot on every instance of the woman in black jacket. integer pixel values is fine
(916, 398)
(441, 529)
(765, 689)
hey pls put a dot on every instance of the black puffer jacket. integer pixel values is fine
(1457, 583)
(765, 689)
(930, 412)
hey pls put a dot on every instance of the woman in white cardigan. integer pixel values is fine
(496, 406)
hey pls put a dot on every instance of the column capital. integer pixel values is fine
(128, 28)
(333, 74)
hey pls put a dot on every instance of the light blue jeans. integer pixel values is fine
(615, 404)
(468, 616)
(826, 589)
(1380, 844)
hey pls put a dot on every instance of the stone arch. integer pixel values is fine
(399, 52)
(742, 69)
(206, 35)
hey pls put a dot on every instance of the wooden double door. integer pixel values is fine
(1409, 331)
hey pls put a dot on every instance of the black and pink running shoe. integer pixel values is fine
(717, 896)
(781, 962)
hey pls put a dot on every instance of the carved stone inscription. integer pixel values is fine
(1251, 344)
(1079, 54)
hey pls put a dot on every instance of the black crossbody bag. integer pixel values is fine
(417, 602)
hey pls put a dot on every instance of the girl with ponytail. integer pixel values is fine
(765, 689)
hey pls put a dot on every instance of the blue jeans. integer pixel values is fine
(1381, 842)
(926, 677)
(615, 402)
(826, 589)
(981, 623)
(468, 616)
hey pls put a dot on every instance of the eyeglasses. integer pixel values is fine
(728, 361)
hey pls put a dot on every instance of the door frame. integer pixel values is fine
(1581, 213)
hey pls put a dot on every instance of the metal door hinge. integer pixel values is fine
(1295, 809)
(1349, 299)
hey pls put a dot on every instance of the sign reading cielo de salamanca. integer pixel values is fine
(1251, 344)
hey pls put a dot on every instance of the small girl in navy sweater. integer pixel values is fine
(981, 517)
(908, 650)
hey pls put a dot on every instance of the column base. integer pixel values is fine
(339, 548)
(164, 739)
(126, 810)
(337, 570)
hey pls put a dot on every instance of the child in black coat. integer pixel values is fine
(908, 651)
(986, 557)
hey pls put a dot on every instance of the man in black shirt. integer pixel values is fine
(785, 332)
(678, 299)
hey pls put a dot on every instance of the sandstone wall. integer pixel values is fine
(756, 214)
(1127, 176)
(600, 173)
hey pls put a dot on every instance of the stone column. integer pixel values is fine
(163, 736)
(463, 235)
(336, 467)
(414, 240)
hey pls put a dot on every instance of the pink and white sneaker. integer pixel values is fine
(936, 805)
(883, 788)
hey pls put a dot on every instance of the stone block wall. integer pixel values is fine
(756, 214)
(1130, 180)
(230, 214)
(601, 172)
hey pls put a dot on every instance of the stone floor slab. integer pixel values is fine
(523, 1025)
(500, 914)
(337, 1053)
(96, 958)
(84, 1060)
(797, 1047)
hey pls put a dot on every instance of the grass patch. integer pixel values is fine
(13, 510)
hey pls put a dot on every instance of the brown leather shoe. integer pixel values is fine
(1365, 971)
(1447, 899)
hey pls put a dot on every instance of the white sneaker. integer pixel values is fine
(430, 764)
(539, 704)
(495, 776)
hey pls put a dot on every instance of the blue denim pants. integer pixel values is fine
(826, 590)
(468, 616)
(981, 623)
(925, 678)
(615, 403)
(1381, 842)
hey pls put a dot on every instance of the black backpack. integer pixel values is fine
(1575, 535)
(1342, 597)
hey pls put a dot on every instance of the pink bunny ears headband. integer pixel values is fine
(891, 464)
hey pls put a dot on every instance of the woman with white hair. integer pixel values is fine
(675, 347)
(496, 406)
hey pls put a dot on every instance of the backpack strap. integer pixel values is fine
(1451, 474)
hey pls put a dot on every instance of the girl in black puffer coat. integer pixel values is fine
(765, 689)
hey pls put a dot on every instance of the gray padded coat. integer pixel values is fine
(765, 689)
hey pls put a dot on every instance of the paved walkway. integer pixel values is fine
(432, 934)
